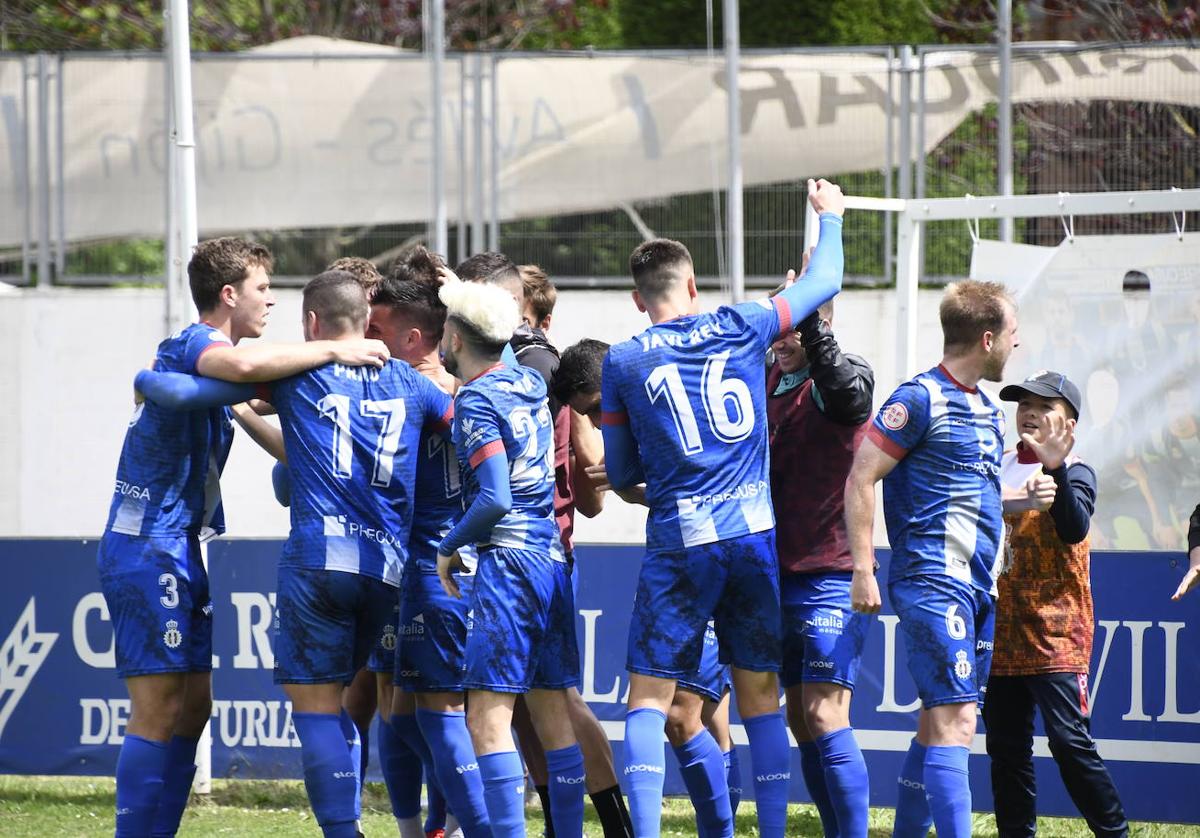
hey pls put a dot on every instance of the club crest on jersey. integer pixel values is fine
(172, 637)
(388, 639)
(895, 416)
(962, 666)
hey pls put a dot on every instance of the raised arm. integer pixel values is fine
(178, 391)
(823, 279)
(871, 464)
(268, 362)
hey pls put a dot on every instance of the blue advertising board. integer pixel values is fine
(63, 710)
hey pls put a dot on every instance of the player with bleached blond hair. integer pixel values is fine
(522, 637)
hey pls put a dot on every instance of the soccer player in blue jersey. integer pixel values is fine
(936, 443)
(167, 500)
(522, 638)
(426, 711)
(684, 411)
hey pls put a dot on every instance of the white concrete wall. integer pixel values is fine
(70, 357)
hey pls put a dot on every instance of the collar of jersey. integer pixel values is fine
(955, 381)
(790, 381)
(496, 366)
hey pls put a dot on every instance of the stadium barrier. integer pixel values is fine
(63, 711)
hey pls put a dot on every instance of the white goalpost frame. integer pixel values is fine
(914, 213)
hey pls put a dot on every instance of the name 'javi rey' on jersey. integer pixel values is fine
(695, 337)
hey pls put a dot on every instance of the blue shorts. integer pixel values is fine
(522, 632)
(711, 680)
(734, 582)
(156, 589)
(431, 648)
(326, 624)
(948, 628)
(823, 636)
(383, 657)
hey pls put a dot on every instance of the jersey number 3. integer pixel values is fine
(727, 403)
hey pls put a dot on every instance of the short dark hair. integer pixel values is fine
(540, 293)
(579, 369)
(219, 262)
(363, 270)
(656, 265)
(489, 266)
(970, 308)
(416, 299)
(338, 299)
(417, 264)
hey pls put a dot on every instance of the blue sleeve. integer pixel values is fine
(508, 357)
(281, 482)
(820, 283)
(620, 448)
(491, 504)
(177, 391)
(902, 421)
(198, 341)
(439, 409)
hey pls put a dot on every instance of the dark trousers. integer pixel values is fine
(1008, 715)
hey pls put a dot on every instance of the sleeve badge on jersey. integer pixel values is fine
(895, 416)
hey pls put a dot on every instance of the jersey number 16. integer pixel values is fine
(727, 403)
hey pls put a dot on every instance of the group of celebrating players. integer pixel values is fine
(433, 447)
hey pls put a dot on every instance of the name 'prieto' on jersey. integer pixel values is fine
(352, 436)
(693, 390)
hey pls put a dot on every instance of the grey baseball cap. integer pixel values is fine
(1048, 384)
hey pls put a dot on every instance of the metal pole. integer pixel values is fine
(60, 251)
(889, 258)
(906, 169)
(26, 186)
(1004, 123)
(176, 25)
(172, 283)
(435, 46)
(461, 228)
(908, 273)
(733, 201)
(920, 141)
(494, 170)
(43, 145)
(478, 245)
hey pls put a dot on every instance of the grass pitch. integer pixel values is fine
(75, 807)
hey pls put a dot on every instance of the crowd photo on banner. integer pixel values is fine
(434, 446)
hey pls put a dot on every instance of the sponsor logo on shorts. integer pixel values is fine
(416, 628)
(829, 622)
(172, 637)
(962, 666)
(894, 416)
(344, 775)
(912, 784)
(771, 778)
(388, 639)
(983, 645)
(570, 781)
(464, 769)
(820, 664)
(410, 673)
(642, 768)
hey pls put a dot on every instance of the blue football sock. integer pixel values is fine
(912, 809)
(645, 769)
(330, 773)
(140, 767)
(177, 785)
(846, 780)
(456, 767)
(504, 791)
(435, 812)
(948, 789)
(770, 759)
(355, 746)
(733, 776)
(814, 778)
(401, 771)
(364, 738)
(564, 769)
(706, 777)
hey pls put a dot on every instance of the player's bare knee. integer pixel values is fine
(796, 719)
(952, 724)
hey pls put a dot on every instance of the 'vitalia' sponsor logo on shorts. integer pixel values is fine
(829, 622)
(416, 628)
(642, 768)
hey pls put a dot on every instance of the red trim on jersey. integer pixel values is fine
(886, 444)
(212, 345)
(956, 382)
(443, 424)
(614, 417)
(496, 446)
(784, 312)
(495, 366)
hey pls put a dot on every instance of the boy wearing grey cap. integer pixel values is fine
(1044, 619)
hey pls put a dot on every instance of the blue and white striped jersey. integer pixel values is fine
(353, 439)
(942, 500)
(168, 477)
